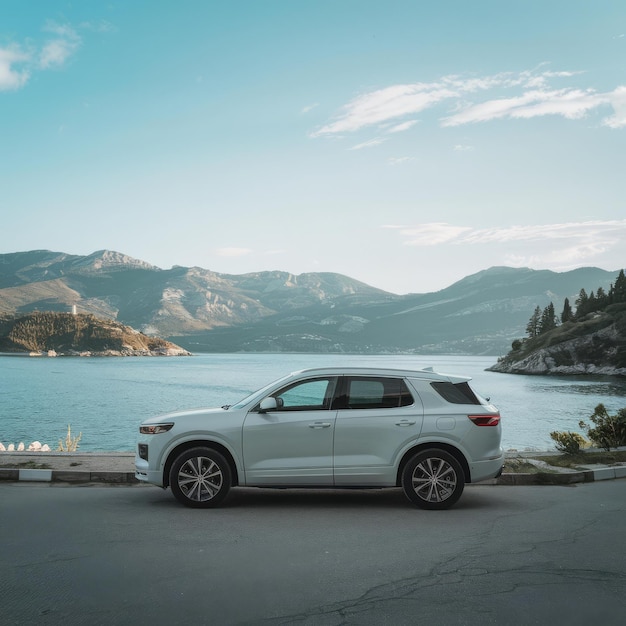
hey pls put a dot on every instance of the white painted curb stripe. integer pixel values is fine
(36, 474)
(609, 473)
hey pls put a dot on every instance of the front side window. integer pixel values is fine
(308, 395)
(376, 393)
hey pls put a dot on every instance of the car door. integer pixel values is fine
(376, 418)
(293, 443)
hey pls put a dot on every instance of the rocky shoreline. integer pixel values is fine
(171, 351)
(543, 364)
(597, 354)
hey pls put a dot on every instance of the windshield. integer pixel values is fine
(257, 396)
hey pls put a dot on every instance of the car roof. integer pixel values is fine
(426, 373)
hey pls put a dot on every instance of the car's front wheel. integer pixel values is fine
(433, 479)
(200, 478)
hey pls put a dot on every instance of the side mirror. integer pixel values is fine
(270, 404)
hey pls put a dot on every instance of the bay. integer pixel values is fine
(105, 399)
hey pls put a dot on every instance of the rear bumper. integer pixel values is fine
(484, 470)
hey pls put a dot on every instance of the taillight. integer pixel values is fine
(485, 420)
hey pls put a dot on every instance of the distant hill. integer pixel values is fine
(202, 310)
(481, 314)
(163, 302)
(67, 334)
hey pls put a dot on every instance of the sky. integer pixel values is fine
(405, 143)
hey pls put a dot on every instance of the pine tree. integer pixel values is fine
(618, 291)
(532, 328)
(581, 304)
(592, 303)
(548, 319)
(602, 299)
(567, 315)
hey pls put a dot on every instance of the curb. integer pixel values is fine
(82, 477)
(549, 478)
(65, 476)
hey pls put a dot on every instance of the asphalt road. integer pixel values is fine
(128, 555)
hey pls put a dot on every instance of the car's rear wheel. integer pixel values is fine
(200, 477)
(433, 479)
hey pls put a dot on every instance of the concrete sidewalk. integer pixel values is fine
(68, 467)
(119, 467)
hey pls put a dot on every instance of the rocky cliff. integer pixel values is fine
(595, 345)
(84, 335)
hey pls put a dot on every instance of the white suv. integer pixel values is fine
(332, 427)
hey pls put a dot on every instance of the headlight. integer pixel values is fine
(154, 429)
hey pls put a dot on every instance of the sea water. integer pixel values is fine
(105, 398)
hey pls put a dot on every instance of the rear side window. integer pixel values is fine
(375, 393)
(456, 393)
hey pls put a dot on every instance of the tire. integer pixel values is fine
(433, 479)
(200, 478)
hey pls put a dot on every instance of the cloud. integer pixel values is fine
(57, 51)
(11, 59)
(17, 63)
(233, 252)
(368, 144)
(569, 103)
(309, 107)
(564, 257)
(441, 232)
(398, 128)
(596, 231)
(618, 102)
(100, 26)
(384, 105)
(521, 95)
(560, 246)
(433, 234)
(400, 160)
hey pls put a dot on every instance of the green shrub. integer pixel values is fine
(609, 431)
(568, 442)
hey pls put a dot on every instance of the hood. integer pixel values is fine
(178, 415)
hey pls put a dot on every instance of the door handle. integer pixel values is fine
(320, 425)
(405, 423)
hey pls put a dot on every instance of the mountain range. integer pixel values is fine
(276, 311)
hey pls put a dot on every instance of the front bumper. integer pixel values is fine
(145, 474)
